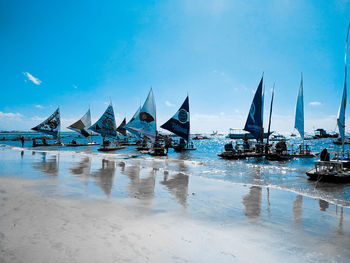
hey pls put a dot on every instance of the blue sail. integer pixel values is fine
(121, 129)
(106, 124)
(180, 122)
(51, 125)
(299, 111)
(255, 117)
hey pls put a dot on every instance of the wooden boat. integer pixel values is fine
(47, 144)
(81, 144)
(239, 155)
(109, 149)
(329, 171)
(143, 148)
(179, 148)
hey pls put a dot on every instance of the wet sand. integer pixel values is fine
(82, 208)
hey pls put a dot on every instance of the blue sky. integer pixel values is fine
(77, 54)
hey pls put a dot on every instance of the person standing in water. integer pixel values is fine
(22, 141)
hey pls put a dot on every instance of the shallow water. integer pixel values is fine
(287, 175)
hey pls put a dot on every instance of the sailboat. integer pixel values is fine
(50, 126)
(81, 126)
(254, 125)
(145, 123)
(106, 127)
(337, 169)
(179, 124)
(304, 150)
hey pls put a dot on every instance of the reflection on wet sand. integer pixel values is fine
(340, 229)
(82, 169)
(142, 188)
(177, 186)
(323, 204)
(104, 176)
(252, 202)
(298, 210)
(48, 166)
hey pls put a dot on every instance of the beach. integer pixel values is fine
(74, 207)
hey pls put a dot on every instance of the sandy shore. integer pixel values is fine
(156, 216)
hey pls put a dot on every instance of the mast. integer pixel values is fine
(268, 131)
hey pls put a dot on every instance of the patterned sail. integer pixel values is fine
(132, 120)
(106, 124)
(255, 116)
(180, 122)
(341, 112)
(51, 125)
(145, 121)
(121, 128)
(299, 111)
(82, 125)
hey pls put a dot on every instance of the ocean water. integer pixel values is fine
(204, 162)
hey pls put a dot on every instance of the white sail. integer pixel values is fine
(106, 124)
(299, 111)
(82, 125)
(145, 121)
(131, 121)
(342, 108)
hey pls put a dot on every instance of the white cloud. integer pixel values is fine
(32, 78)
(37, 118)
(39, 106)
(169, 104)
(10, 115)
(315, 103)
(75, 86)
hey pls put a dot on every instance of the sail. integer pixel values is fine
(341, 112)
(180, 122)
(145, 122)
(255, 116)
(51, 125)
(299, 111)
(82, 125)
(131, 120)
(121, 128)
(106, 124)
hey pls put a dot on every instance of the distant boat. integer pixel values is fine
(81, 126)
(179, 124)
(50, 126)
(321, 133)
(237, 134)
(277, 138)
(106, 127)
(337, 169)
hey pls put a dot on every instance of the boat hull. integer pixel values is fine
(109, 149)
(332, 177)
(237, 156)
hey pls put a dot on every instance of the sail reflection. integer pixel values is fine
(252, 202)
(104, 176)
(49, 165)
(142, 188)
(177, 186)
(298, 210)
(323, 205)
(82, 169)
